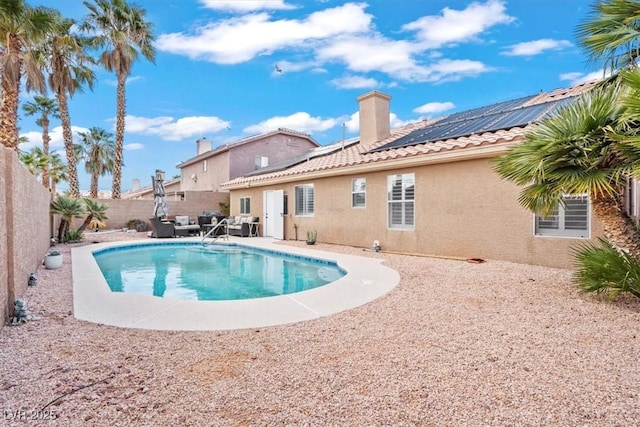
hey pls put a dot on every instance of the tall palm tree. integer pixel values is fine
(21, 28)
(45, 107)
(611, 33)
(99, 150)
(69, 71)
(579, 151)
(123, 33)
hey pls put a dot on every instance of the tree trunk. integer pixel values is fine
(617, 227)
(86, 223)
(94, 186)
(10, 97)
(117, 167)
(67, 135)
(45, 149)
(61, 229)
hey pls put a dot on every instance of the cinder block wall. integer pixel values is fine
(24, 228)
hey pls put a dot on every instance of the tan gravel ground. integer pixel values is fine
(455, 344)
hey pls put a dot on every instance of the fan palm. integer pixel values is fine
(69, 71)
(21, 28)
(35, 161)
(95, 212)
(578, 151)
(99, 150)
(611, 33)
(57, 171)
(121, 30)
(45, 107)
(68, 208)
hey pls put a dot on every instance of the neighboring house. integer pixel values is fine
(171, 188)
(212, 167)
(428, 188)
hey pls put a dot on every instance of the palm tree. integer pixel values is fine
(45, 107)
(95, 211)
(69, 71)
(21, 28)
(611, 33)
(57, 171)
(68, 208)
(99, 150)
(579, 151)
(35, 161)
(124, 34)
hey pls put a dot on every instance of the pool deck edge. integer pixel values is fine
(366, 280)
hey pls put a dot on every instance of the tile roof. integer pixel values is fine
(226, 147)
(359, 155)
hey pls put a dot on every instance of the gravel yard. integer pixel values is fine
(455, 343)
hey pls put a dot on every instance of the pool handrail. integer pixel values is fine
(213, 230)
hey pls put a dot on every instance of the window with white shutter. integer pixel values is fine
(400, 200)
(358, 192)
(304, 200)
(570, 219)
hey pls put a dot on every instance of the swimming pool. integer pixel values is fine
(93, 301)
(190, 271)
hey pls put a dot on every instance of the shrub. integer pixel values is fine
(72, 236)
(602, 269)
(137, 224)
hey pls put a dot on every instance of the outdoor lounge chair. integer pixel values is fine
(162, 229)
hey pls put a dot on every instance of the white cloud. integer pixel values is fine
(536, 47)
(133, 146)
(345, 35)
(434, 107)
(579, 78)
(353, 124)
(234, 40)
(34, 138)
(455, 26)
(246, 5)
(355, 82)
(300, 121)
(130, 79)
(171, 129)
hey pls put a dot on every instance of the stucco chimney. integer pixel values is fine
(374, 117)
(136, 184)
(204, 145)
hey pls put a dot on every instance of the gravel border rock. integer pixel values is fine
(455, 343)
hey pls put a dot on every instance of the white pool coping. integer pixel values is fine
(93, 301)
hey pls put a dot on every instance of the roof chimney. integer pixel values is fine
(374, 117)
(204, 145)
(136, 184)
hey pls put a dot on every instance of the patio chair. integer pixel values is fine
(162, 229)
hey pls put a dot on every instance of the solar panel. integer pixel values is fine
(504, 115)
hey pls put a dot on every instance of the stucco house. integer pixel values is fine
(427, 188)
(212, 167)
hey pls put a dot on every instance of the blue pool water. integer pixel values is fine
(189, 271)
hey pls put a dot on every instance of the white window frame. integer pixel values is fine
(406, 201)
(559, 217)
(305, 206)
(357, 190)
(261, 162)
(204, 165)
(245, 205)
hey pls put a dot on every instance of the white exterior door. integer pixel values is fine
(273, 208)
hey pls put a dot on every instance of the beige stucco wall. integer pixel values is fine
(463, 209)
(217, 172)
(24, 228)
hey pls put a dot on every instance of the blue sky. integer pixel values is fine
(215, 74)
